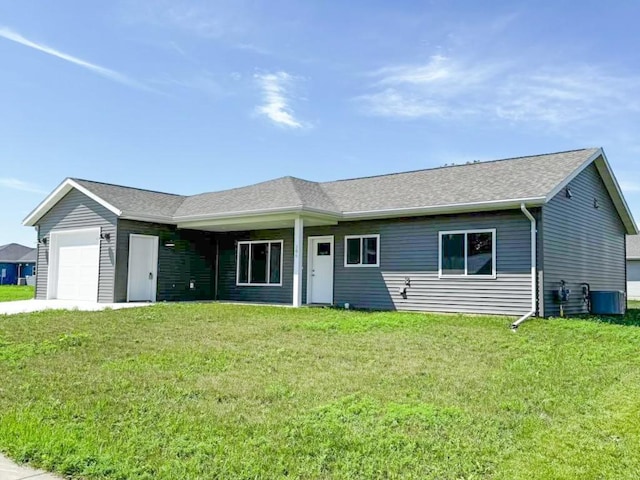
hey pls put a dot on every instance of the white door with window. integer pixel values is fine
(143, 268)
(320, 270)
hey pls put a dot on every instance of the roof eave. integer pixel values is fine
(299, 210)
(54, 197)
(611, 183)
(506, 204)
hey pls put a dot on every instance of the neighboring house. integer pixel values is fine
(633, 267)
(16, 261)
(490, 237)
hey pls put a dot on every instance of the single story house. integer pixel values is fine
(633, 267)
(496, 237)
(16, 261)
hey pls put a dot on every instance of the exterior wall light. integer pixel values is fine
(568, 193)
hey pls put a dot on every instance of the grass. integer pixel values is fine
(634, 304)
(9, 293)
(240, 392)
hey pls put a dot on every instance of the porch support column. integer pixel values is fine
(298, 229)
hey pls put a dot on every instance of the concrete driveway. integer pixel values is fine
(11, 471)
(28, 306)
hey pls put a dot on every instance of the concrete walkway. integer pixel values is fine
(11, 471)
(28, 306)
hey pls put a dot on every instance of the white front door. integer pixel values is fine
(143, 268)
(320, 270)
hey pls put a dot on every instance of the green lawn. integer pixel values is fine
(189, 391)
(9, 293)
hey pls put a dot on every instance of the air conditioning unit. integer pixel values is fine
(608, 302)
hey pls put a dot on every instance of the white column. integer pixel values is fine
(298, 229)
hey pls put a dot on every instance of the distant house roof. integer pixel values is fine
(16, 253)
(633, 247)
(506, 183)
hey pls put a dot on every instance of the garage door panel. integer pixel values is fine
(78, 256)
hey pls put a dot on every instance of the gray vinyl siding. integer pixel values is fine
(191, 259)
(409, 249)
(228, 290)
(582, 243)
(75, 210)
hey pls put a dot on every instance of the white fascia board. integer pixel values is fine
(611, 183)
(255, 213)
(57, 195)
(573, 175)
(445, 209)
(148, 218)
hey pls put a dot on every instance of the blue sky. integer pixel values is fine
(193, 96)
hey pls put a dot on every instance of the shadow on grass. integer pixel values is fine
(631, 318)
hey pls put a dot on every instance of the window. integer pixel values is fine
(259, 263)
(468, 253)
(362, 251)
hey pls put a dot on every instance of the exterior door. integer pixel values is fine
(320, 270)
(143, 268)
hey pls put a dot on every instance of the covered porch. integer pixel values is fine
(261, 257)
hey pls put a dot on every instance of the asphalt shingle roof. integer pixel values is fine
(16, 253)
(285, 192)
(526, 177)
(633, 246)
(507, 179)
(134, 201)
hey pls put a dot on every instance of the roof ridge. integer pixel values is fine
(126, 186)
(442, 167)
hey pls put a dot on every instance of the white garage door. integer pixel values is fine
(74, 262)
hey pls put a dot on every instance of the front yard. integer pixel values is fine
(228, 391)
(10, 293)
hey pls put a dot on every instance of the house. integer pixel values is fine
(494, 237)
(16, 261)
(633, 267)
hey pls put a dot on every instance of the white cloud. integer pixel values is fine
(448, 88)
(102, 71)
(220, 19)
(629, 186)
(275, 92)
(15, 184)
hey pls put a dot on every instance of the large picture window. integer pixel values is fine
(469, 253)
(362, 251)
(259, 263)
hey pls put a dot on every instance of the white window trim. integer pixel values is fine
(493, 276)
(361, 237)
(251, 242)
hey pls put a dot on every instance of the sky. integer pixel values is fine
(195, 96)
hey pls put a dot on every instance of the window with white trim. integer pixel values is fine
(468, 253)
(259, 263)
(362, 251)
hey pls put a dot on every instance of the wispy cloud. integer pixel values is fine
(276, 92)
(9, 34)
(630, 186)
(15, 184)
(448, 88)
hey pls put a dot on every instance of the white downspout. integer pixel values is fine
(534, 274)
